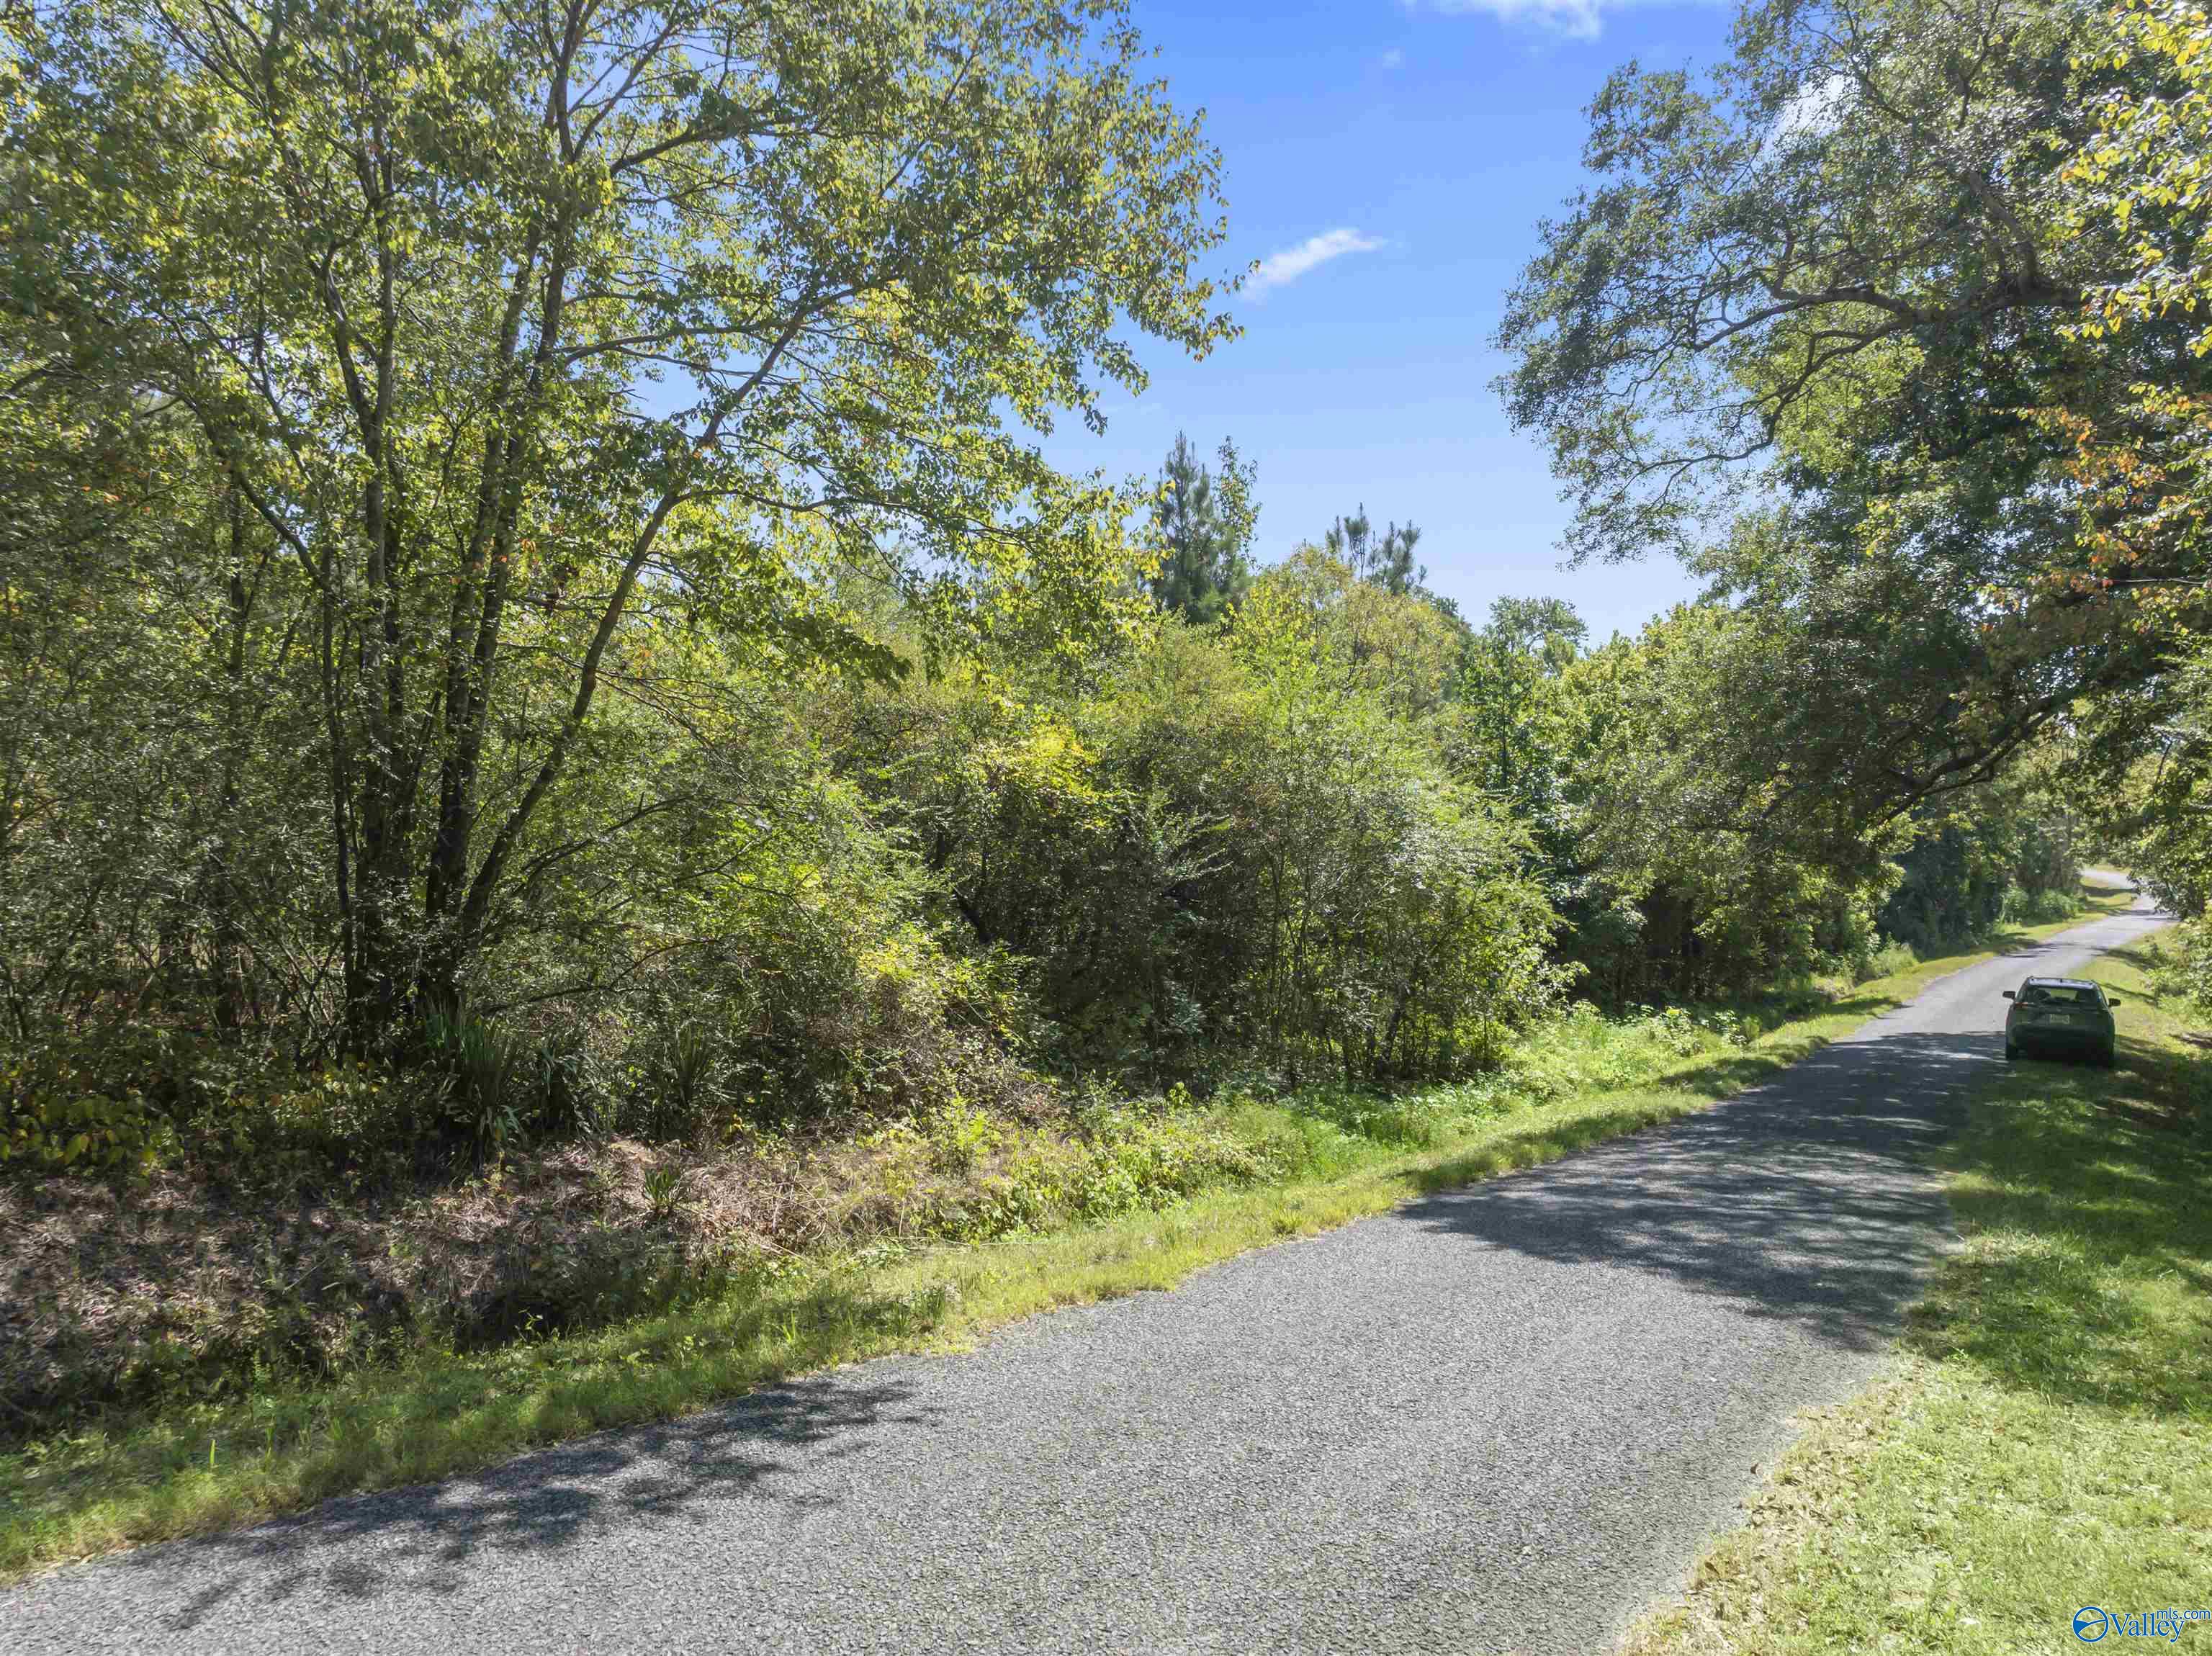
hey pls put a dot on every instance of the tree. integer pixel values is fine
(1226, 845)
(1384, 560)
(1545, 630)
(1852, 206)
(155, 790)
(1503, 733)
(2145, 176)
(1404, 646)
(538, 341)
(1815, 330)
(1203, 534)
(2143, 182)
(1698, 868)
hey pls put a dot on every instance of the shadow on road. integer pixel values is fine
(1807, 1199)
(422, 1538)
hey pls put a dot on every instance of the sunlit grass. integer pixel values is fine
(2045, 1441)
(142, 1475)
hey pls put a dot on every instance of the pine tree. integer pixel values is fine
(1203, 533)
(1386, 560)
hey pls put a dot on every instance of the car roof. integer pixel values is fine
(2064, 983)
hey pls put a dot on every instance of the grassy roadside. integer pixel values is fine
(144, 1476)
(2045, 1440)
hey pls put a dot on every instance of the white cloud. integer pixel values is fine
(1280, 270)
(1393, 58)
(1578, 20)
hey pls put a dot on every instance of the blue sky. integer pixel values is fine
(1427, 140)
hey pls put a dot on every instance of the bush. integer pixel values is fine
(1579, 1050)
(2003, 864)
(103, 1100)
(2181, 963)
(123, 1101)
(1227, 848)
(2022, 907)
(272, 1122)
(1886, 960)
(960, 1174)
(69, 1111)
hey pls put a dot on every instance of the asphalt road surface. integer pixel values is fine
(1503, 1419)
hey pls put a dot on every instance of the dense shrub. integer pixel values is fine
(2002, 863)
(1342, 837)
(1226, 845)
(84, 1107)
(959, 1172)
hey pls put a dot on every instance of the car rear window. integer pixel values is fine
(2056, 994)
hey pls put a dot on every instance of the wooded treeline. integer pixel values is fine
(527, 562)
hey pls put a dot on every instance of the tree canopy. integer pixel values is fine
(1831, 326)
(527, 355)
(530, 573)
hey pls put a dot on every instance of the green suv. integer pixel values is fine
(2061, 1016)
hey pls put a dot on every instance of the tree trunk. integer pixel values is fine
(226, 932)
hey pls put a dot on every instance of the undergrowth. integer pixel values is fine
(949, 1222)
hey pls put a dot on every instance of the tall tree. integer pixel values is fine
(1545, 630)
(1203, 533)
(2143, 182)
(2143, 466)
(1814, 328)
(1507, 684)
(540, 337)
(1384, 560)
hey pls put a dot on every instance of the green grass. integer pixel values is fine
(136, 1477)
(2045, 1440)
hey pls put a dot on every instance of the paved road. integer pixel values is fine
(1503, 1419)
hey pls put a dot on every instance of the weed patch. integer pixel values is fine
(944, 1227)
